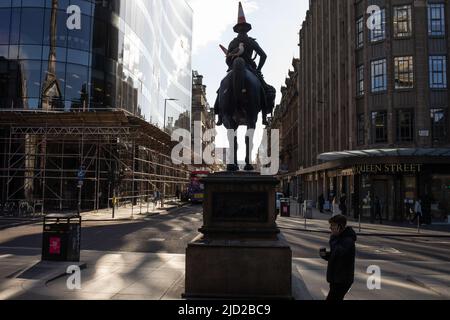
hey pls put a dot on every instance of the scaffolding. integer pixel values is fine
(56, 162)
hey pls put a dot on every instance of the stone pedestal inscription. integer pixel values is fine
(239, 206)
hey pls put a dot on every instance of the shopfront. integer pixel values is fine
(385, 177)
(394, 185)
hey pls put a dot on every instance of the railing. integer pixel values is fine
(21, 209)
(140, 202)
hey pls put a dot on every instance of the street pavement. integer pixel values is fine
(104, 275)
(413, 264)
(143, 258)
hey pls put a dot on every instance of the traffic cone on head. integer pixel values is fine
(242, 26)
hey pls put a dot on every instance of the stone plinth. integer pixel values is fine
(241, 253)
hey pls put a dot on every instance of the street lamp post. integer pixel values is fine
(165, 108)
(164, 184)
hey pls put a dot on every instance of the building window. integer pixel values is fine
(360, 81)
(361, 129)
(438, 72)
(436, 19)
(379, 82)
(378, 33)
(405, 125)
(360, 32)
(402, 21)
(404, 72)
(379, 126)
(438, 121)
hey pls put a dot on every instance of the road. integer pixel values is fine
(167, 233)
(170, 233)
(413, 267)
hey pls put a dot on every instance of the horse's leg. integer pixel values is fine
(236, 151)
(232, 153)
(253, 108)
(249, 135)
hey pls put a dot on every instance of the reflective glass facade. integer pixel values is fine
(79, 55)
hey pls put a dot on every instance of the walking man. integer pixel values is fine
(417, 211)
(321, 202)
(377, 209)
(341, 258)
(343, 204)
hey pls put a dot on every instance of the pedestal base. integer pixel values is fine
(242, 254)
(247, 269)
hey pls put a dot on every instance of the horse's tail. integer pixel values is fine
(238, 78)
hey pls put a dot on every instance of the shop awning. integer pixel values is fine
(373, 153)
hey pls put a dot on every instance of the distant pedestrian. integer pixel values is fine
(355, 205)
(335, 206)
(417, 211)
(343, 204)
(426, 209)
(377, 209)
(341, 258)
(156, 198)
(321, 201)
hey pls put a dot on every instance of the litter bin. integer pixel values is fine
(61, 238)
(307, 209)
(285, 207)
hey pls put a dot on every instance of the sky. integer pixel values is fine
(275, 25)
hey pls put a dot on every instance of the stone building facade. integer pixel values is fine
(373, 105)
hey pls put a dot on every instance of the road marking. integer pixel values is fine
(5, 256)
(20, 248)
(432, 242)
(387, 250)
(156, 239)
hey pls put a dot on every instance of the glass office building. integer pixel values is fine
(79, 55)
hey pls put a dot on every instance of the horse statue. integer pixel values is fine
(243, 93)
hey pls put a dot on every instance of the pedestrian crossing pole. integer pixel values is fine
(359, 221)
(304, 212)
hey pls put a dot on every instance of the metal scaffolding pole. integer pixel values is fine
(97, 177)
(8, 178)
(61, 176)
(133, 187)
(43, 165)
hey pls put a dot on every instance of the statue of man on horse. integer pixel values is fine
(243, 93)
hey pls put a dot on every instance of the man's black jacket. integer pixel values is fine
(341, 258)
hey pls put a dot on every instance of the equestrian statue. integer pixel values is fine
(243, 93)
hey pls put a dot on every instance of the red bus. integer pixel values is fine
(196, 190)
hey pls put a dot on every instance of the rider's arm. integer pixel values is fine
(231, 47)
(229, 61)
(261, 53)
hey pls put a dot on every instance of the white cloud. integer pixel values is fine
(213, 17)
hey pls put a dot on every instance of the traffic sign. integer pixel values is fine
(81, 173)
